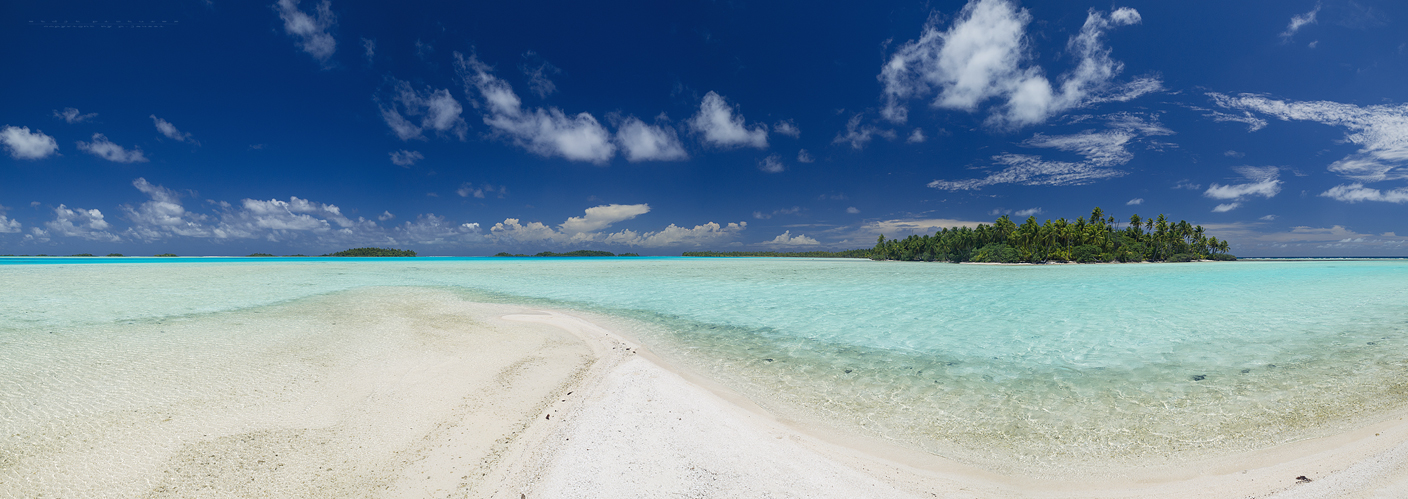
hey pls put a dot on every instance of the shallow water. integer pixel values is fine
(1001, 366)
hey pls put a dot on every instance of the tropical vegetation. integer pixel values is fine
(372, 252)
(1100, 238)
(855, 253)
(570, 253)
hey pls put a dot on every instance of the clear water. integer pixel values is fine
(1006, 366)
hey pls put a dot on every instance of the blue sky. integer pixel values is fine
(226, 128)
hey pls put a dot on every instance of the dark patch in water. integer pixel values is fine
(1199, 377)
(1245, 371)
(848, 371)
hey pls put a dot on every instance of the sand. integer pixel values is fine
(399, 392)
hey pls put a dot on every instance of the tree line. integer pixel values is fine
(1096, 239)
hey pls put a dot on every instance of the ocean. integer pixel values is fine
(1006, 367)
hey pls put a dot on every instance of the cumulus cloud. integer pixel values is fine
(1028, 212)
(1356, 192)
(852, 210)
(1135, 202)
(8, 225)
(162, 215)
(1298, 22)
(542, 131)
(983, 56)
(71, 115)
(646, 142)
(1102, 151)
(106, 149)
(1380, 131)
(436, 111)
(771, 164)
(717, 125)
(804, 157)
(170, 131)
(916, 137)
(601, 217)
(24, 144)
(369, 49)
(1262, 181)
(310, 30)
(858, 135)
(588, 229)
(385, 215)
(78, 222)
(787, 239)
(405, 158)
(788, 128)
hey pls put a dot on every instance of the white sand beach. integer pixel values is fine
(405, 392)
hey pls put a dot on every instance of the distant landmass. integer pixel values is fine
(570, 253)
(371, 252)
(1097, 239)
(855, 253)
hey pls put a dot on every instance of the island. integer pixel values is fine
(1096, 239)
(578, 253)
(359, 252)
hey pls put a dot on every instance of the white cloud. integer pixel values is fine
(646, 142)
(405, 157)
(1102, 150)
(1380, 131)
(78, 222)
(1234, 154)
(899, 228)
(163, 215)
(982, 56)
(916, 137)
(468, 189)
(1135, 202)
(539, 74)
(1033, 170)
(852, 210)
(700, 236)
(71, 115)
(1028, 212)
(783, 211)
(601, 217)
(787, 239)
(437, 109)
(24, 144)
(8, 225)
(586, 229)
(170, 131)
(429, 229)
(385, 215)
(1263, 182)
(771, 164)
(859, 135)
(1356, 192)
(106, 149)
(542, 131)
(310, 30)
(804, 157)
(1268, 218)
(369, 49)
(1298, 22)
(718, 125)
(1253, 123)
(788, 128)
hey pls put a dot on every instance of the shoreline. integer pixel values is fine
(1371, 458)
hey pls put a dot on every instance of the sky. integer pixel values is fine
(469, 128)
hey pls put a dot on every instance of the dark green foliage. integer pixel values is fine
(300, 254)
(82, 254)
(115, 254)
(372, 252)
(1097, 239)
(260, 254)
(855, 253)
(166, 254)
(577, 253)
(996, 253)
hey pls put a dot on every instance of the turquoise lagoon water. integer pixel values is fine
(996, 365)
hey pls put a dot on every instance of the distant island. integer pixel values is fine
(855, 253)
(1097, 239)
(570, 253)
(368, 252)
